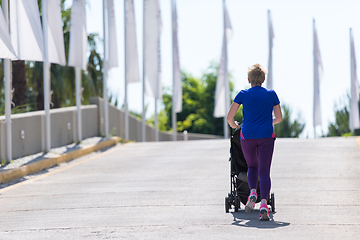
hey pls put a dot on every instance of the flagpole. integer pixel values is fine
(316, 78)
(126, 120)
(354, 87)
(173, 116)
(156, 123)
(226, 80)
(105, 98)
(143, 133)
(46, 69)
(314, 63)
(269, 84)
(351, 88)
(78, 102)
(8, 94)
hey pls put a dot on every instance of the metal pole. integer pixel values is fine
(269, 84)
(156, 123)
(157, 93)
(173, 117)
(143, 132)
(351, 124)
(226, 80)
(315, 72)
(126, 120)
(8, 93)
(78, 102)
(105, 97)
(47, 87)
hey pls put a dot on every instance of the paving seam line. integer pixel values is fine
(40, 165)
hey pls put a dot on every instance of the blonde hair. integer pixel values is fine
(256, 74)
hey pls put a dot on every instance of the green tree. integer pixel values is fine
(19, 84)
(287, 127)
(341, 125)
(63, 77)
(198, 105)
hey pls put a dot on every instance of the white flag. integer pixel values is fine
(177, 95)
(152, 32)
(78, 36)
(222, 81)
(354, 107)
(131, 58)
(318, 69)
(269, 84)
(56, 49)
(112, 60)
(6, 48)
(26, 32)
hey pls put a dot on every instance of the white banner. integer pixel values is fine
(131, 57)
(6, 48)
(222, 81)
(78, 36)
(152, 56)
(318, 69)
(354, 105)
(56, 49)
(26, 32)
(112, 60)
(177, 88)
(269, 83)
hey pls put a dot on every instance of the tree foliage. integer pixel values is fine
(197, 105)
(341, 125)
(62, 78)
(287, 127)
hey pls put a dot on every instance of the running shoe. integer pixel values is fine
(250, 204)
(264, 212)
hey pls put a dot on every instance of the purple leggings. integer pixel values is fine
(258, 154)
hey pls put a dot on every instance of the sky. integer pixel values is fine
(200, 33)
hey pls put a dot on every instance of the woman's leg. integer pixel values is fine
(265, 153)
(249, 148)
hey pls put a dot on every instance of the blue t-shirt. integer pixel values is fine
(258, 104)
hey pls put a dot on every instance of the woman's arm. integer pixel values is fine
(231, 114)
(277, 114)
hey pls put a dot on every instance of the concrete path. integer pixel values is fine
(171, 190)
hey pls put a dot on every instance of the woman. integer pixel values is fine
(257, 135)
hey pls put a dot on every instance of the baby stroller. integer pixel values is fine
(239, 188)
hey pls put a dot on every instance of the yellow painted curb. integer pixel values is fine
(40, 165)
(358, 142)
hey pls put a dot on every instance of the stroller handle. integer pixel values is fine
(232, 130)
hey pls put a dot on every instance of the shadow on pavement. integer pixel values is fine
(243, 219)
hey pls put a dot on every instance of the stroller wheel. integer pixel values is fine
(272, 202)
(237, 203)
(226, 204)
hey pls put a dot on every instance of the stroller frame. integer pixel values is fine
(239, 189)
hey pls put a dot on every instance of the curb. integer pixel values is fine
(357, 138)
(40, 165)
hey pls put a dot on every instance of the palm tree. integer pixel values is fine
(95, 66)
(19, 84)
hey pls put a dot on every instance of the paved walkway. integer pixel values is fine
(176, 190)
